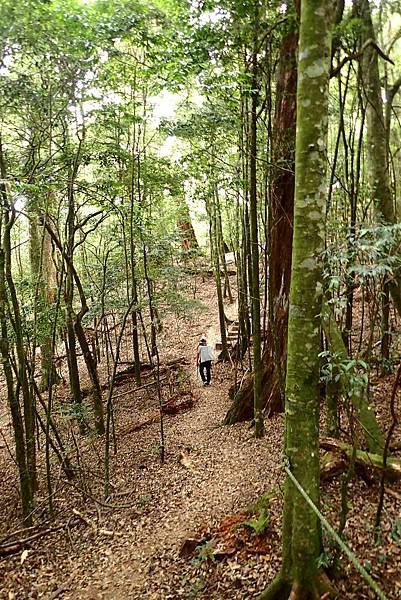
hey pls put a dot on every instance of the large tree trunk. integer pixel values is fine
(280, 230)
(44, 277)
(185, 227)
(301, 528)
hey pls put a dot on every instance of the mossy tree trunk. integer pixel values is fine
(299, 577)
(44, 277)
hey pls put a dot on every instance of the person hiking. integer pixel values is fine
(204, 359)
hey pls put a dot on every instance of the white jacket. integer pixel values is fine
(205, 353)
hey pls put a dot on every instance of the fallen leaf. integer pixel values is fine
(24, 556)
(185, 460)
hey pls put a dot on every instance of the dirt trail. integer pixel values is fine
(223, 470)
(210, 471)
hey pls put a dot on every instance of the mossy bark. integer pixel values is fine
(44, 277)
(366, 459)
(301, 529)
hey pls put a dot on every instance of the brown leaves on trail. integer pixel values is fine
(177, 531)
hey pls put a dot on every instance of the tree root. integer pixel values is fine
(279, 589)
(282, 589)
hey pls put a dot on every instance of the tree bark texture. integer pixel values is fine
(280, 235)
(254, 240)
(301, 528)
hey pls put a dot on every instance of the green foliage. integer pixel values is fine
(260, 508)
(336, 365)
(262, 503)
(260, 523)
(396, 532)
(204, 554)
(194, 589)
(325, 560)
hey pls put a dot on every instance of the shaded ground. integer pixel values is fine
(212, 473)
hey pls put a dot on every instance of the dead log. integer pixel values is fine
(178, 403)
(174, 405)
(332, 465)
(363, 458)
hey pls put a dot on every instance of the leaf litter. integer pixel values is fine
(191, 527)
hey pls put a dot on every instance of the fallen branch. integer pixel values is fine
(366, 459)
(136, 389)
(392, 493)
(332, 465)
(94, 526)
(16, 545)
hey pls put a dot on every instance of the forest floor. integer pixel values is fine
(178, 529)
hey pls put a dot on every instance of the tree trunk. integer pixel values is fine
(365, 459)
(222, 250)
(186, 229)
(93, 375)
(254, 242)
(15, 409)
(215, 256)
(44, 276)
(377, 136)
(280, 230)
(301, 528)
(70, 346)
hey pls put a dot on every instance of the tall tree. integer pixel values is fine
(254, 237)
(281, 208)
(299, 577)
(378, 155)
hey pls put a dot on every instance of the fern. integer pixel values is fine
(259, 524)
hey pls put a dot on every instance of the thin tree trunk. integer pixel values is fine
(377, 136)
(254, 240)
(16, 416)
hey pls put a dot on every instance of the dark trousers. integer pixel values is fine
(205, 366)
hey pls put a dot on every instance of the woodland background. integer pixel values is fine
(147, 181)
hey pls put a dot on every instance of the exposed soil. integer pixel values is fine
(176, 530)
